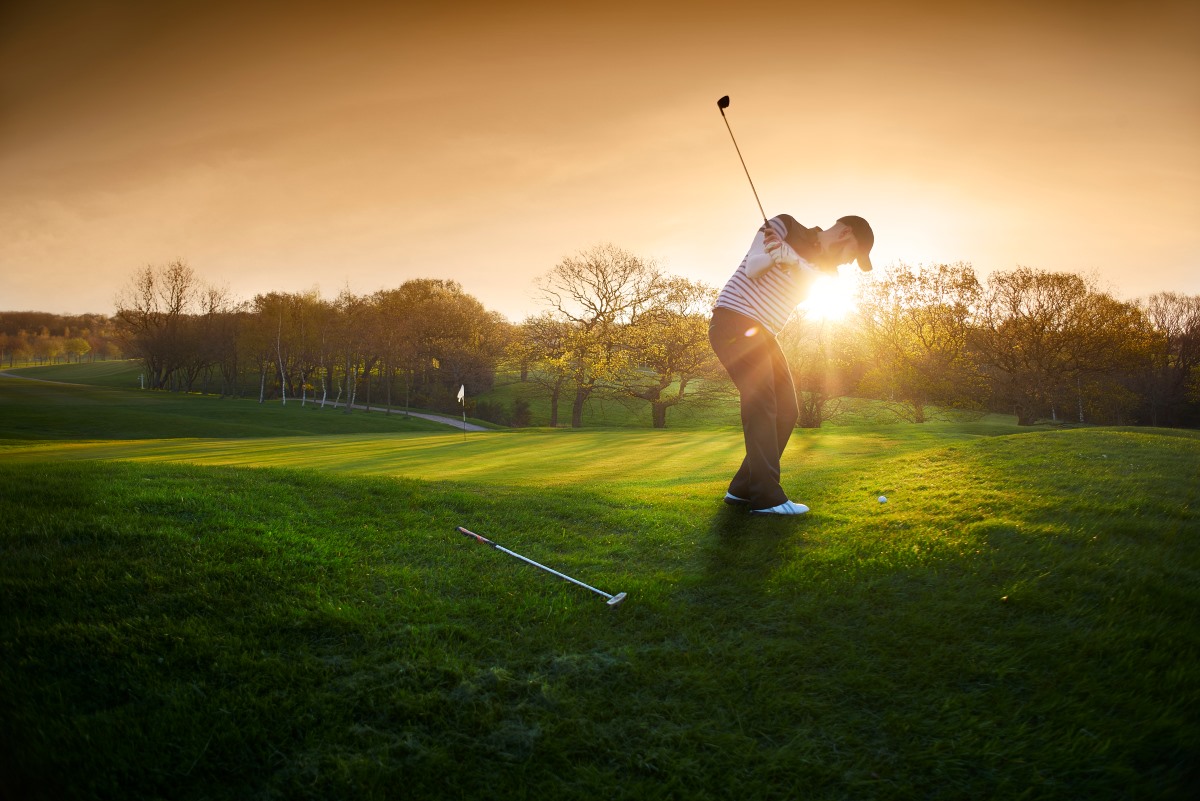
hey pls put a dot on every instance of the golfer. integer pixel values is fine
(756, 302)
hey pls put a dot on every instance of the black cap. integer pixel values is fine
(864, 237)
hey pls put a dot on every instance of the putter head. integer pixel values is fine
(616, 599)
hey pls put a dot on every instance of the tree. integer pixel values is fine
(151, 314)
(825, 360)
(916, 324)
(441, 338)
(349, 343)
(668, 346)
(597, 292)
(47, 348)
(541, 349)
(76, 347)
(1172, 366)
(19, 349)
(1044, 338)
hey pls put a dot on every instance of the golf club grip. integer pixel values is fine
(468, 533)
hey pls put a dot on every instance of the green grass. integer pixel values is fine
(37, 411)
(118, 374)
(196, 618)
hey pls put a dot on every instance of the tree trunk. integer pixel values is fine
(577, 409)
(658, 411)
(1025, 415)
(391, 380)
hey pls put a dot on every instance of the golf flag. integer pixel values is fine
(462, 394)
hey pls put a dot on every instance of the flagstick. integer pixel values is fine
(462, 398)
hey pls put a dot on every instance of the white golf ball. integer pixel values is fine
(882, 499)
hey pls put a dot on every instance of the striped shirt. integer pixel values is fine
(772, 297)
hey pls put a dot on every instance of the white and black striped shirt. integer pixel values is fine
(772, 297)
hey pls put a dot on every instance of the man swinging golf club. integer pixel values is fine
(763, 292)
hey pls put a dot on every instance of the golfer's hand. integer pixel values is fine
(782, 257)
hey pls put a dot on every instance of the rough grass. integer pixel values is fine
(1018, 621)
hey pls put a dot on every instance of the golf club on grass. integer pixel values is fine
(613, 600)
(723, 104)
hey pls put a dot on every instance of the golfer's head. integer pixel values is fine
(850, 239)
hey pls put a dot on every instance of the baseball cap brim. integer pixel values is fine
(865, 238)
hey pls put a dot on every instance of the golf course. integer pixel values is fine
(207, 598)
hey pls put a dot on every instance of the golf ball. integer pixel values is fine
(882, 499)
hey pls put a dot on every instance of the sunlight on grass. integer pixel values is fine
(648, 459)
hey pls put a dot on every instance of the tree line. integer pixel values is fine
(925, 341)
(46, 338)
(1036, 344)
(415, 344)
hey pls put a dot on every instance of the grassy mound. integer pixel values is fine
(1018, 621)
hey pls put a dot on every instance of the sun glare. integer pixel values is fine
(831, 297)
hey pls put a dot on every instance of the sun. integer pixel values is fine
(831, 297)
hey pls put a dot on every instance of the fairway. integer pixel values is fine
(286, 611)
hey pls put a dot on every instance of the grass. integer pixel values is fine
(115, 373)
(199, 619)
(38, 411)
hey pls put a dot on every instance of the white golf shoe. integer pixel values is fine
(785, 508)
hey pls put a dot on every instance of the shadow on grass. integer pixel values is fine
(744, 551)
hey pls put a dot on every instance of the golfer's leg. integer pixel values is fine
(758, 478)
(745, 352)
(787, 406)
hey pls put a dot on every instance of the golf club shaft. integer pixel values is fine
(486, 541)
(744, 168)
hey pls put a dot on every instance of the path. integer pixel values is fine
(437, 418)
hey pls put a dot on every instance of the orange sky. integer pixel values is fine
(301, 145)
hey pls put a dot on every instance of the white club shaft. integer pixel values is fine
(550, 570)
(613, 600)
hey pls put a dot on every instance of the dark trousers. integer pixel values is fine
(759, 370)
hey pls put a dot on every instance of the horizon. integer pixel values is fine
(292, 147)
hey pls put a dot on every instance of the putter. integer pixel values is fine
(613, 600)
(723, 104)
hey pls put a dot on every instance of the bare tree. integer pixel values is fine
(151, 313)
(596, 292)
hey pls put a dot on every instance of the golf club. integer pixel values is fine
(613, 600)
(723, 104)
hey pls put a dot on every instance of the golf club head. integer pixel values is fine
(616, 599)
(723, 104)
